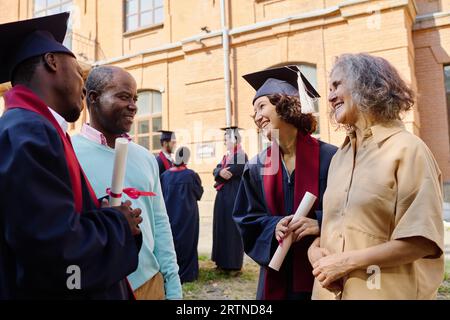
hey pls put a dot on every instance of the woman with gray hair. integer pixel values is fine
(382, 231)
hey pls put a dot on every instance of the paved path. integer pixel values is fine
(447, 229)
(205, 239)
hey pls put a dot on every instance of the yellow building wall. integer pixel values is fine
(432, 46)
(189, 71)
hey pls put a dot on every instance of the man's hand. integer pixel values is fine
(133, 216)
(224, 173)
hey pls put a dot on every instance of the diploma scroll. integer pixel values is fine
(302, 211)
(120, 161)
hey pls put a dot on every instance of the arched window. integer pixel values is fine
(148, 120)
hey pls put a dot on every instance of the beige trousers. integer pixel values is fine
(153, 289)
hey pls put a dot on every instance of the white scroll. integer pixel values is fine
(302, 211)
(120, 161)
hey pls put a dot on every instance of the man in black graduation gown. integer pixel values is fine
(182, 188)
(56, 242)
(168, 143)
(227, 248)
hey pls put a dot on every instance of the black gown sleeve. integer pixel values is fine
(43, 230)
(198, 189)
(160, 165)
(255, 223)
(216, 173)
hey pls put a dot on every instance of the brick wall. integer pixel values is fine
(190, 73)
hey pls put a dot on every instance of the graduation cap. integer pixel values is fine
(167, 135)
(231, 128)
(26, 39)
(284, 80)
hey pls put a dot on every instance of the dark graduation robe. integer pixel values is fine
(163, 163)
(182, 188)
(44, 230)
(227, 248)
(257, 225)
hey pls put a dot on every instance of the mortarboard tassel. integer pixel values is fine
(305, 100)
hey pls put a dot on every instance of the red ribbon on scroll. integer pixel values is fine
(133, 193)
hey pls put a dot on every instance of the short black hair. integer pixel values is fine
(24, 72)
(164, 140)
(98, 79)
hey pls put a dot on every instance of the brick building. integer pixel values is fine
(174, 50)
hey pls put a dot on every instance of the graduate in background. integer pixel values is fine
(227, 248)
(56, 242)
(275, 181)
(182, 188)
(111, 100)
(168, 144)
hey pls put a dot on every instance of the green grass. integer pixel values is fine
(190, 287)
(203, 257)
(213, 283)
(447, 270)
(444, 289)
(210, 279)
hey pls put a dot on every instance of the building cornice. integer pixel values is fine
(432, 20)
(275, 27)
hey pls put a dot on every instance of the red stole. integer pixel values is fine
(306, 179)
(22, 97)
(165, 161)
(226, 160)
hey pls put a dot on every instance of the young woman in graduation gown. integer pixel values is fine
(274, 182)
(227, 249)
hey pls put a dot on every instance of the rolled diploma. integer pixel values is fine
(302, 211)
(120, 161)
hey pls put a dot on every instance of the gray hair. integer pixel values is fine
(375, 86)
(98, 79)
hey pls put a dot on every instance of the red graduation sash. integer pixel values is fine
(166, 162)
(23, 98)
(306, 179)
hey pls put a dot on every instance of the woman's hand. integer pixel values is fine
(224, 173)
(304, 227)
(333, 267)
(282, 227)
(315, 252)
